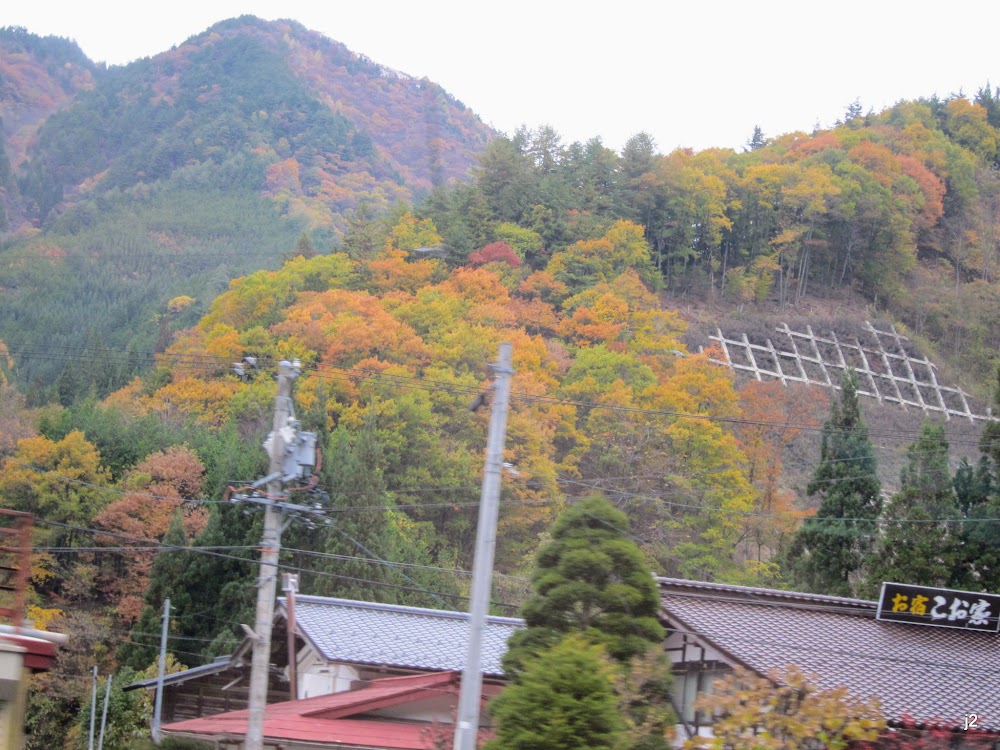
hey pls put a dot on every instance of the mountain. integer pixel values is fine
(132, 185)
(38, 76)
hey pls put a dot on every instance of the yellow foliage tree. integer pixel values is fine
(784, 711)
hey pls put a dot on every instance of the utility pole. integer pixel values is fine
(93, 710)
(270, 546)
(104, 714)
(158, 705)
(290, 585)
(467, 726)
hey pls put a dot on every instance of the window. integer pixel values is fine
(691, 679)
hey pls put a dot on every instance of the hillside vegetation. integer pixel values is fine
(174, 174)
(122, 321)
(901, 207)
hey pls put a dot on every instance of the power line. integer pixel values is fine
(540, 503)
(250, 561)
(208, 363)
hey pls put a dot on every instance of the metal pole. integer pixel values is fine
(104, 714)
(158, 706)
(93, 711)
(270, 546)
(467, 726)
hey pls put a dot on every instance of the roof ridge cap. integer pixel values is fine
(664, 582)
(400, 608)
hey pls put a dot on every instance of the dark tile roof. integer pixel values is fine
(411, 637)
(925, 672)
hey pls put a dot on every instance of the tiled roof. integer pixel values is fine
(368, 633)
(327, 719)
(924, 672)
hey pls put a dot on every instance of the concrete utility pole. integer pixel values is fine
(290, 585)
(93, 710)
(104, 714)
(270, 546)
(158, 705)
(467, 726)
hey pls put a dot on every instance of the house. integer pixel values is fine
(413, 712)
(929, 674)
(347, 652)
(340, 645)
(23, 652)
(347, 642)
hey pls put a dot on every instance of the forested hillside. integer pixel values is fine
(37, 77)
(173, 174)
(901, 207)
(251, 151)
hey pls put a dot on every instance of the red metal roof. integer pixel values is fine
(327, 718)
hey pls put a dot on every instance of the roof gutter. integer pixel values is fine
(60, 639)
(277, 742)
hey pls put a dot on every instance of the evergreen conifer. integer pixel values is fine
(590, 578)
(562, 701)
(920, 544)
(828, 551)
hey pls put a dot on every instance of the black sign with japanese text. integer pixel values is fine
(945, 608)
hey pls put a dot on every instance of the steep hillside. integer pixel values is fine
(897, 211)
(172, 174)
(38, 76)
(591, 263)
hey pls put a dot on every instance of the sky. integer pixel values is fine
(695, 74)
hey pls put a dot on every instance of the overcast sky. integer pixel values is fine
(698, 73)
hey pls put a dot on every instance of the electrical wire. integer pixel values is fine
(326, 511)
(332, 372)
(281, 566)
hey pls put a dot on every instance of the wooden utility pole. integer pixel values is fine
(467, 725)
(270, 547)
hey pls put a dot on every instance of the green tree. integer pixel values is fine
(590, 578)
(921, 540)
(365, 234)
(829, 549)
(757, 139)
(128, 717)
(989, 443)
(563, 700)
(372, 552)
(303, 247)
(977, 490)
(978, 496)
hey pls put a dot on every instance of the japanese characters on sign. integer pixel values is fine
(923, 605)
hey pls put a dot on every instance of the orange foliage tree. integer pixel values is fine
(152, 493)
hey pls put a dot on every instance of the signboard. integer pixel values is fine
(944, 608)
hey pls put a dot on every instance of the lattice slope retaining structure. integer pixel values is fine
(886, 371)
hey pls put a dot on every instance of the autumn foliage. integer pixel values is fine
(495, 252)
(153, 492)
